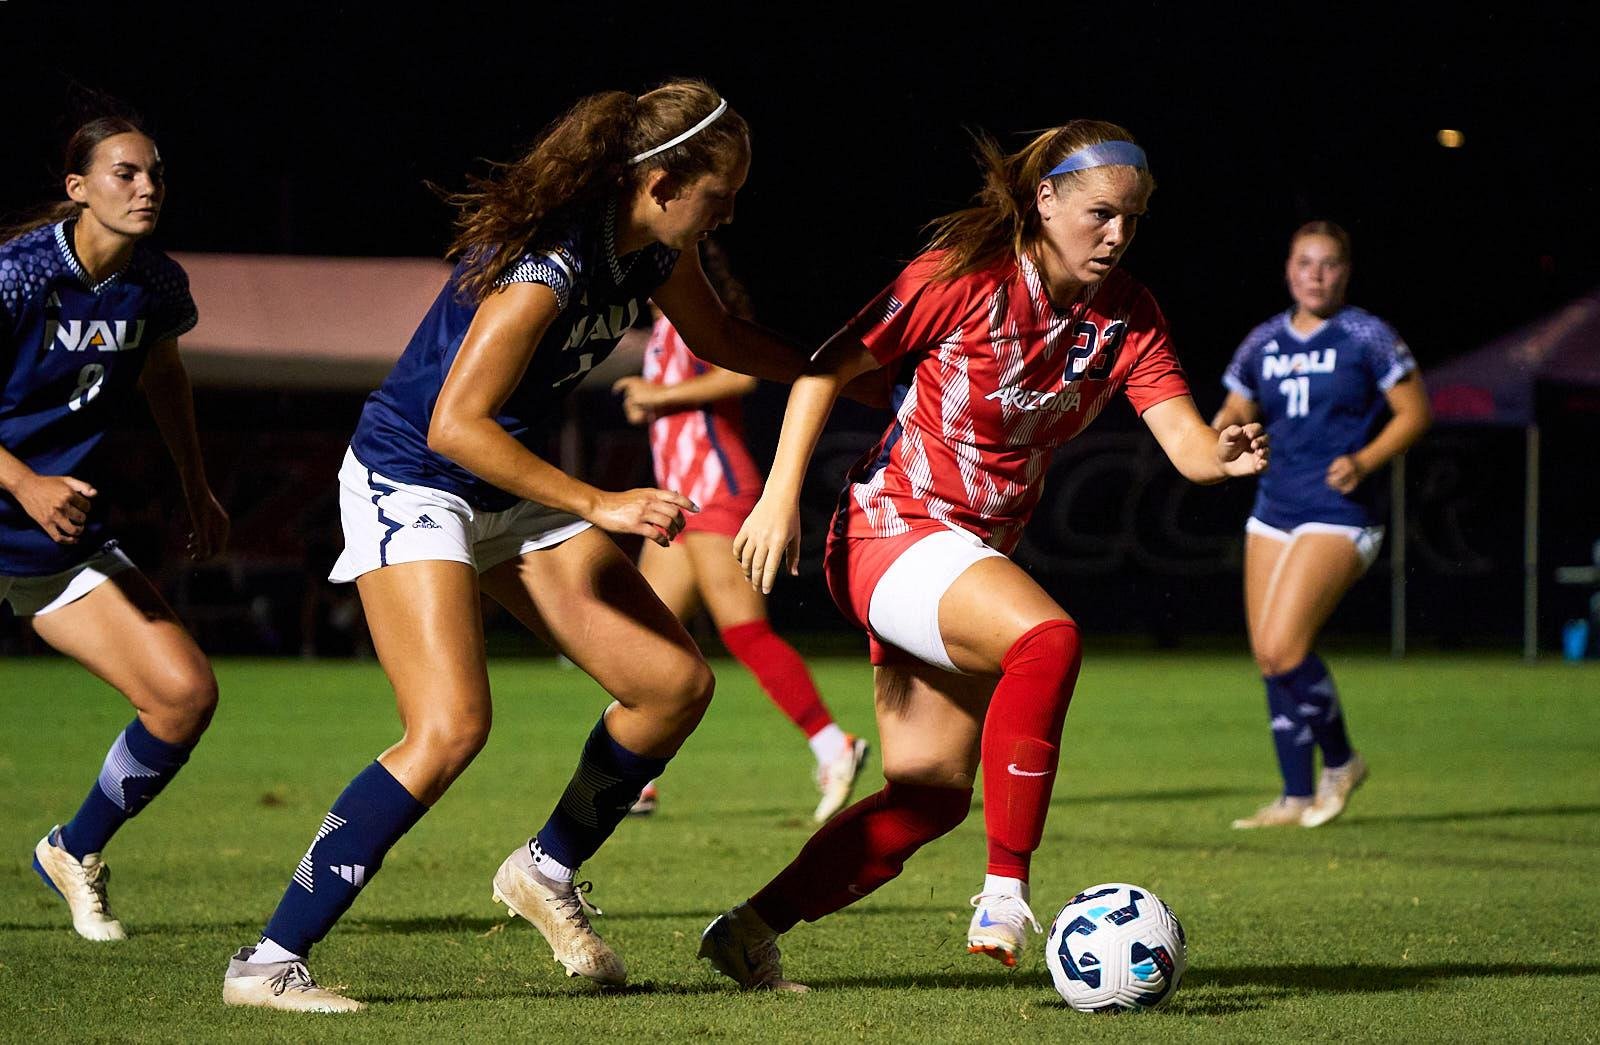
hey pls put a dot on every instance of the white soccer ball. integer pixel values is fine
(1116, 948)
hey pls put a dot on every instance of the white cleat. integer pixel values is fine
(557, 909)
(1334, 789)
(999, 927)
(836, 779)
(741, 947)
(279, 985)
(1282, 811)
(81, 884)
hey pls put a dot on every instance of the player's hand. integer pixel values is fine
(1244, 450)
(769, 536)
(1345, 474)
(209, 537)
(639, 398)
(58, 503)
(653, 514)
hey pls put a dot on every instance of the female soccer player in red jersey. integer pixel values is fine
(443, 497)
(90, 314)
(1002, 341)
(697, 447)
(1340, 396)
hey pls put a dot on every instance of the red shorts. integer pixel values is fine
(854, 566)
(724, 515)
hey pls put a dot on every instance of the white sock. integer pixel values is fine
(268, 953)
(993, 883)
(549, 866)
(828, 743)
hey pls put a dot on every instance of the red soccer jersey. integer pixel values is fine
(989, 378)
(698, 451)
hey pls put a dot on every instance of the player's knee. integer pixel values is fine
(690, 694)
(1051, 652)
(450, 744)
(1278, 653)
(179, 704)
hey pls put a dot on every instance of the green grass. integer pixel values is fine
(1456, 900)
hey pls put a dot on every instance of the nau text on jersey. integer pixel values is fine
(1018, 398)
(1320, 361)
(610, 325)
(104, 335)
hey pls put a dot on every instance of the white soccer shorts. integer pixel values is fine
(33, 596)
(1367, 539)
(904, 609)
(387, 522)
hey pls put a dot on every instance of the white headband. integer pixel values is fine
(722, 107)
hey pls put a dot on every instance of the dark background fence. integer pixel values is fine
(1119, 538)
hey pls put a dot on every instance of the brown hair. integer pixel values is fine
(1004, 215)
(1330, 229)
(582, 158)
(77, 157)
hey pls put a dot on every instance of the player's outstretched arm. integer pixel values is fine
(641, 397)
(1202, 453)
(1411, 417)
(166, 387)
(728, 341)
(772, 532)
(492, 360)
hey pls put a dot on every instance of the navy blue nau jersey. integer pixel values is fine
(1320, 395)
(71, 352)
(599, 296)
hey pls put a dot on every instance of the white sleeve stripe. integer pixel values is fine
(1233, 384)
(1401, 368)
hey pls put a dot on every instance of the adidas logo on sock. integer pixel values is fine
(425, 523)
(1282, 724)
(355, 874)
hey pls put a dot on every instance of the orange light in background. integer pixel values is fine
(1451, 139)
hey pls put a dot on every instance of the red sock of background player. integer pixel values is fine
(859, 850)
(1022, 743)
(783, 674)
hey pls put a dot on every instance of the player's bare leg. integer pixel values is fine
(740, 614)
(596, 608)
(124, 633)
(670, 573)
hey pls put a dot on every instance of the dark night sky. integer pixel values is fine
(311, 130)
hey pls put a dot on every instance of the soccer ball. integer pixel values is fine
(1116, 948)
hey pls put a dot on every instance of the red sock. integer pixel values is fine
(859, 850)
(1022, 741)
(781, 672)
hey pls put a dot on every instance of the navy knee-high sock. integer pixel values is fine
(1318, 703)
(136, 768)
(364, 823)
(608, 779)
(1291, 736)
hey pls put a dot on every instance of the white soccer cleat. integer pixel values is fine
(739, 945)
(836, 779)
(557, 909)
(279, 985)
(648, 800)
(1282, 811)
(81, 884)
(1000, 926)
(1334, 788)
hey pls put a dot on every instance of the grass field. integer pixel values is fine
(1457, 900)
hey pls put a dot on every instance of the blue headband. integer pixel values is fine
(1105, 154)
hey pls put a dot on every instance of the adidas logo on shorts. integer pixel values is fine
(425, 523)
